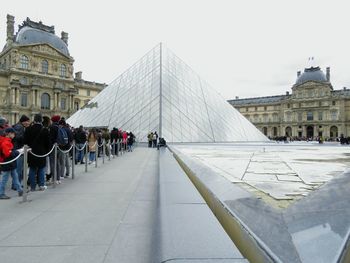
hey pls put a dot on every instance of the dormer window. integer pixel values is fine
(44, 66)
(24, 61)
(63, 71)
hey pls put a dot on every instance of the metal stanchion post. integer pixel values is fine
(73, 159)
(55, 166)
(103, 150)
(25, 172)
(118, 148)
(96, 154)
(113, 148)
(109, 149)
(86, 156)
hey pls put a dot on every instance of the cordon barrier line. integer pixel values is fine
(55, 148)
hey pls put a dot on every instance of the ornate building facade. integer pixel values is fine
(313, 109)
(36, 73)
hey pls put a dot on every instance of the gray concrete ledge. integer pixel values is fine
(189, 232)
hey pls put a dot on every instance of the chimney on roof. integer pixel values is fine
(78, 75)
(298, 73)
(64, 37)
(287, 93)
(344, 88)
(10, 29)
(328, 74)
(236, 97)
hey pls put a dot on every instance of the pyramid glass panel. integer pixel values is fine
(161, 93)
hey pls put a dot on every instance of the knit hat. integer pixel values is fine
(38, 118)
(23, 118)
(55, 118)
(9, 130)
(62, 122)
(2, 121)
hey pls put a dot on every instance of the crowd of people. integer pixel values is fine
(41, 135)
(154, 141)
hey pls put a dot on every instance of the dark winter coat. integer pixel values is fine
(38, 139)
(80, 136)
(53, 133)
(8, 153)
(18, 140)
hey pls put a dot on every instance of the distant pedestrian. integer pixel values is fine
(154, 139)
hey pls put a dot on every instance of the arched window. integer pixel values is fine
(24, 62)
(45, 101)
(288, 131)
(63, 70)
(265, 131)
(333, 132)
(44, 66)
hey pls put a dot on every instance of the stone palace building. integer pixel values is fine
(36, 73)
(313, 109)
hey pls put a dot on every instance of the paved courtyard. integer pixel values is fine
(279, 173)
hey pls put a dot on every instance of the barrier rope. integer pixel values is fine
(12, 159)
(41, 156)
(65, 151)
(80, 149)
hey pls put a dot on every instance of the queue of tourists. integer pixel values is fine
(41, 135)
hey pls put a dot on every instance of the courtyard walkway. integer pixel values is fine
(85, 219)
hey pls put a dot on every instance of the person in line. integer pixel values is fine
(37, 137)
(106, 137)
(60, 157)
(66, 158)
(114, 141)
(46, 124)
(131, 139)
(20, 127)
(9, 153)
(92, 141)
(80, 140)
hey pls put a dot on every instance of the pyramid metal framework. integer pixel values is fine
(161, 93)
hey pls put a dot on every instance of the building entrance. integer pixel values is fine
(310, 131)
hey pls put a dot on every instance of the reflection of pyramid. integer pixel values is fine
(161, 93)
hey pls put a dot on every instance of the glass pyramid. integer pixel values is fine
(161, 93)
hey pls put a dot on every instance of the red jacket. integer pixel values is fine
(6, 147)
(7, 154)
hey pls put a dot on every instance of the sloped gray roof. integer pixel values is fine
(259, 100)
(28, 35)
(311, 74)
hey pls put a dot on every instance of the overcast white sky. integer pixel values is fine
(242, 48)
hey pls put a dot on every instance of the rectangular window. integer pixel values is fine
(300, 116)
(76, 105)
(63, 103)
(310, 116)
(320, 115)
(24, 99)
(88, 93)
(334, 115)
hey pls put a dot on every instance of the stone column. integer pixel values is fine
(33, 98)
(13, 96)
(58, 101)
(16, 96)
